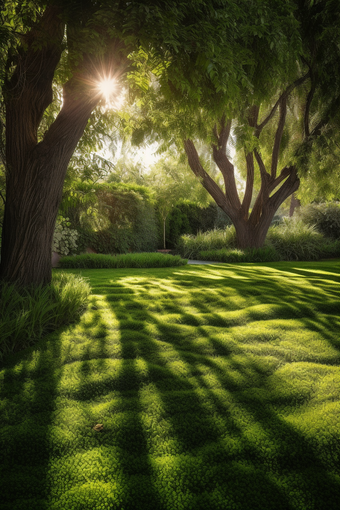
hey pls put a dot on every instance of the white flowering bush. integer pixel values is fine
(64, 238)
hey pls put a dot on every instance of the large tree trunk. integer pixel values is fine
(33, 193)
(35, 171)
(248, 236)
(251, 229)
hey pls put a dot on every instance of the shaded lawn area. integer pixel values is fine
(217, 388)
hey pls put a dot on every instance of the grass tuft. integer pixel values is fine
(294, 240)
(190, 245)
(26, 314)
(130, 260)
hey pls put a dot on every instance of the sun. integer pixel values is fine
(107, 87)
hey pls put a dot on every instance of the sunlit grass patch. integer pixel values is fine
(216, 386)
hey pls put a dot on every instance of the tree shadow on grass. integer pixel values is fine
(207, 413)
(28, 391)
(190, 419)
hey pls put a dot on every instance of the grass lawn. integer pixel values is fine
(217, 387)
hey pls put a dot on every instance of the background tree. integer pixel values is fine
(280, 128)
(170, 179)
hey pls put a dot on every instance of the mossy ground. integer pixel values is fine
(217, 387)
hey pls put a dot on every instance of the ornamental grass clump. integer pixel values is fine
(325, 217)
(294, 240)
(190, 246)
(27, 314)
(129, 260)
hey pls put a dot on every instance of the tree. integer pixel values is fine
(280, 126)
(79, 43)
(251, 226)
(170, 180)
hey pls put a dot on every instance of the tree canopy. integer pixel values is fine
(182, 66)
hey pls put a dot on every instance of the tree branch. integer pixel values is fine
(288, 187)
(262, 167)
(222, 137)
(264, 191)
(274, 183)
(2, 197)
(285, 94)
(307, 108)
(278, 136)
(227, 170)
(253, 116)
(209, 184)
(249, 186)
(29, 90)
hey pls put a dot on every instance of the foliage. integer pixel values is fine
(198, 375)
(190, 246)
(266, 254)
(290, 239)
(325, 217)
(112, 217)
(294, 240)
(99, 261)
(64, 238)
(188, 217)
(172, 183)
(27, 314)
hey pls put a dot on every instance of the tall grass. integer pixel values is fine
(26, 314)
(294, 240)
(190, 246)
(140, 260)
(325, 217)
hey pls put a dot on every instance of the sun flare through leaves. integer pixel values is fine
(107, 87)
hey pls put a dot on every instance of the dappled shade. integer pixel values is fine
(216, 386)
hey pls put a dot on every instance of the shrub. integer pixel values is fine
(64, 238)
(188, 217)
(294, 240)
(113, 218)
(325, 217)
(190, 246)
(266, 254)
(29, 313)
(98, 261)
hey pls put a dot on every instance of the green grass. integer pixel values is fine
(128, 260)
(217, 387)
(266, 254)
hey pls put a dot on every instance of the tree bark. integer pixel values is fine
(251, 229)
(35, 172)
(294, 204)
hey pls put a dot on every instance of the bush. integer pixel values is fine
(112, 218)
(266, 254)
(190, 246)
(29, 313)
(294, 240)
(325, 217)
(140, 260)
(64, 238)
(190, 218)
